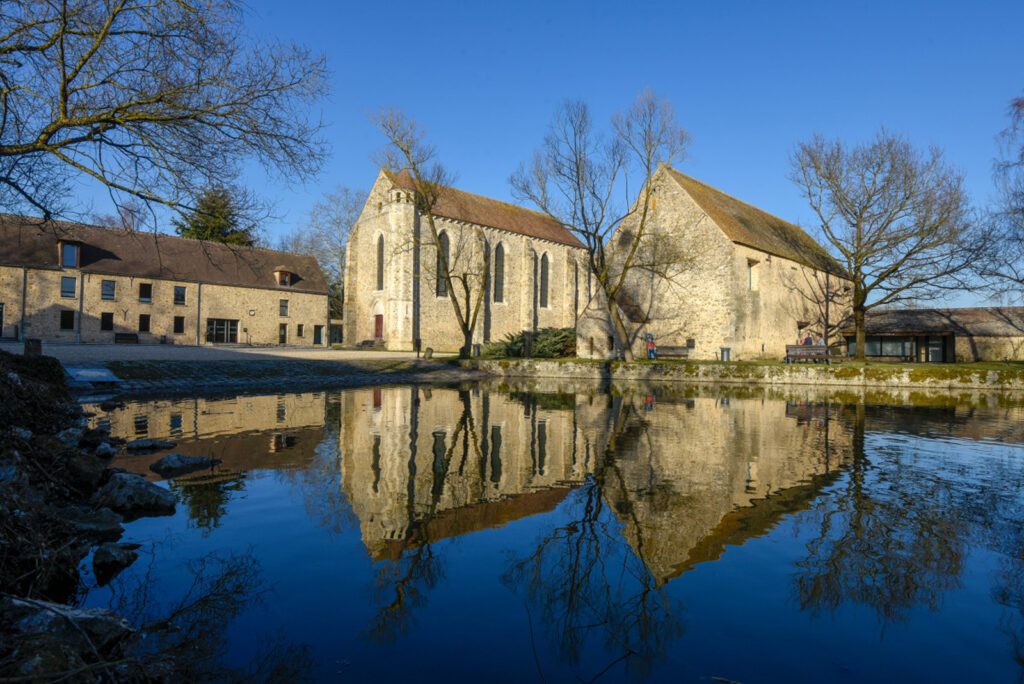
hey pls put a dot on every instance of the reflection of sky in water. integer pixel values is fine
(412, 534)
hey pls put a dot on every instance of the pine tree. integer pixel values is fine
(217, 217)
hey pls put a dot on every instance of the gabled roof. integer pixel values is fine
(484, 211)
(750, 226)
(995, 321)
(26, 242)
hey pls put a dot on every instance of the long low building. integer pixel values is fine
(69, 282)
(944, 335)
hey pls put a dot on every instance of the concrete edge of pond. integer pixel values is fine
(956, 377)
(166, 378)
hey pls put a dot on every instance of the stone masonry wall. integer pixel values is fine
(409, 292)
(255, 309)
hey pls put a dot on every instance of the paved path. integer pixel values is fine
(79, 355)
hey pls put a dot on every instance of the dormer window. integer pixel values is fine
(283, 277)
(69, 255)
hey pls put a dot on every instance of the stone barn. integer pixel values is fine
(743, 284)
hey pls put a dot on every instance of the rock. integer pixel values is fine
(179, 464)
(23, 433)
(102, 627)
(71, 436)
(101, 524)
(147, 444)
(131, 494)
(106, 450)
(85, 471)
(93, 438)
(110, 559)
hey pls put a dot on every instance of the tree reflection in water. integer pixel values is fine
(585, 581)
(183, 638)
(206, 497)
(890, 537)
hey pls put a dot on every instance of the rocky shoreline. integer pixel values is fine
(59, 502)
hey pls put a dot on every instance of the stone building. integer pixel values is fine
(530, 268)
(65, 282)
(943, 335)
(745, 281)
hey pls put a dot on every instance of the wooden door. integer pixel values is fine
(378, 327)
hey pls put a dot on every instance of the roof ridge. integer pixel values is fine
(520, 207)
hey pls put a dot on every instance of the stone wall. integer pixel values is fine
(408, 301)
(819, 376)
(257, 310)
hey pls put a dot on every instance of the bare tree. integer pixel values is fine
(153, 100)
(460, 266)
(577, 174)
(1004, 269)
(896, 217)
(820, 299)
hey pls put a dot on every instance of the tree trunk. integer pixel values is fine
(467, 343)
(858, 324)
(620, 332)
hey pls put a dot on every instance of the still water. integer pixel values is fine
(469, 534)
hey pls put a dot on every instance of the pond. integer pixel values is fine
(473, 533)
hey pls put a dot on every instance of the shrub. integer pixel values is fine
(548, 343)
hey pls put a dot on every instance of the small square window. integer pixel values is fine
(284, 278)
(107, 289)
(284, 307)
(145, 292)
(179, 325)
(143, 322)
(298, 330)
(67, 320)
(106, 321)
(179, 295)
(69, 256)
(67, 287)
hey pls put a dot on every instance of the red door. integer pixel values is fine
(378, 327)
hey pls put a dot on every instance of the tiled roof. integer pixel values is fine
(748, 225)
(996, 321)
(26, 242)
(484, 211)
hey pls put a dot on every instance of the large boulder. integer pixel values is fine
(149, 444)
(101, 524)
(70, 625)
(84, 470)
(132, 495)
(172, 465)
(110, 559)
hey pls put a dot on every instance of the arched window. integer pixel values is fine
(499, 273)
(544, 281)
(380, 262)
(443, 258)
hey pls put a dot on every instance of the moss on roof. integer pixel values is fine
(753, 227)
(484, 211)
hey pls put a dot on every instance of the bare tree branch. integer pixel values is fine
(154, 100)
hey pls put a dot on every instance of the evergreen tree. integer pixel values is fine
(219, 216)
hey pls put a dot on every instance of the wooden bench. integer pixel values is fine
(807, 352)
(126, 338)
(674, 353)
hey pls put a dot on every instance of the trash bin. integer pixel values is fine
(725, 353)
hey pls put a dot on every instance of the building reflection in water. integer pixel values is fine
(647, 488)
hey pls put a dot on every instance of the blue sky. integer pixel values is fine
(747, 79)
